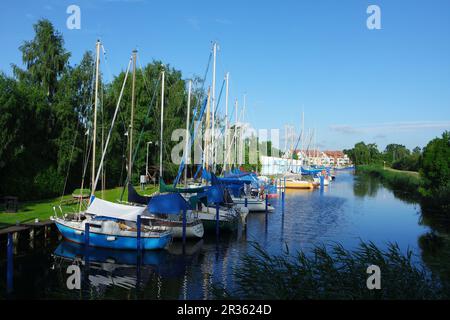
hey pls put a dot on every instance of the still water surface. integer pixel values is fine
(351, 209)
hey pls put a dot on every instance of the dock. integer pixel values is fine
(30, 228)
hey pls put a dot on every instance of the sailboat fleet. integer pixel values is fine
(150, 223)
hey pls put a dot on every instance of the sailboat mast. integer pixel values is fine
(226, 119)
(162, 123)
(207, 133)
(302, 137)
(94, 133)
(235, 131)
(130, 140)
(213, 104)
(187, 149)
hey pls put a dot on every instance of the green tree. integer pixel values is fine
(395, 152)
(435, 166)
(44, 57)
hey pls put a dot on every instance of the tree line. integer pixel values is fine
(46, 119)
(432, 163)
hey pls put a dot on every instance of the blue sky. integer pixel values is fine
(388, 85)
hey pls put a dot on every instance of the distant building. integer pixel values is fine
(322, 158)
(337, 158)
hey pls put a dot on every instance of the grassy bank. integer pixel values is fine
(332, 273)
(408, 182)
(42, 209)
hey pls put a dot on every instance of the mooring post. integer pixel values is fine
(184, 227)
(138, 232)
(86, 234)
(322, 182)
(246, 202)
(267, 202)
(282, 201)
(10, 266)
(217, 219)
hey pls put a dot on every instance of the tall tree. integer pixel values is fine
(44, 57)
(435, 167)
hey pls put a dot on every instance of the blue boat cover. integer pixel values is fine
(171, 203)
(135, 197)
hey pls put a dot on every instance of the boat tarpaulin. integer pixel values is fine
(171, 203)
(135, 197)
(103, 208)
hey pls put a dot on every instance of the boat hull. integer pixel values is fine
(193, 231)
(226, 221)
(299, 185)
(113, 241)
(229, 226)
(253, 205)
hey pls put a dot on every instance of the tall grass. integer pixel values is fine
(396, 180)
(333, 273)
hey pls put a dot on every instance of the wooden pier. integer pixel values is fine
(30, 228)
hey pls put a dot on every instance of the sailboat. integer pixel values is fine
(106, 224)
(169, 215)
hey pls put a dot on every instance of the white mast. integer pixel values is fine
(161, 134)
(130, 134)
(94, 134)
(235, 131)
(213, 105)
(243, 108)
(226, 119)
(302, 137)
(187, 149)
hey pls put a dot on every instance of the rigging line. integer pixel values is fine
(144, 77)
(70, 160)
(220, 95)
(86, 123)
(142, 132)
(108, 69)
(112, 126)
(201, 92)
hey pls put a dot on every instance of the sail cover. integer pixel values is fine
(135, 197)
(171, 203)
(103, 208)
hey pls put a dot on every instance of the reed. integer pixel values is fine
(331, 273)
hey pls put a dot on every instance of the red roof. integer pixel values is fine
(334, 154)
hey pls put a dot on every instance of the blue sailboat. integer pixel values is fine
(112, 225)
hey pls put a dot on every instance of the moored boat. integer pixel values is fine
(112, 225)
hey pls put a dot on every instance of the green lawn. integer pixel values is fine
(43, 209)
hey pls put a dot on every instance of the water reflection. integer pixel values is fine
(105, 272)
(366, 186)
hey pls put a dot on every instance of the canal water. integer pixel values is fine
(350, 210)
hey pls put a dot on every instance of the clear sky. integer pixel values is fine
(388, 85)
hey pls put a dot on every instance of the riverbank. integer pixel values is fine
(43, 209)
(409, 185)
(408, 182)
